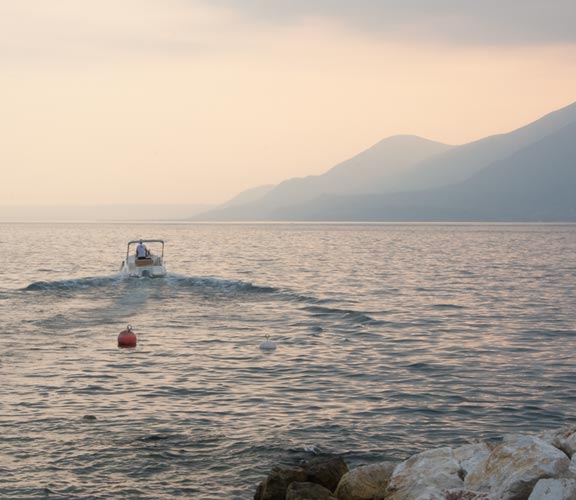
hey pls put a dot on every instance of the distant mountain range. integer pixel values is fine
(528, 174)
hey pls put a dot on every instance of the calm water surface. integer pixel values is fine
(391, 339)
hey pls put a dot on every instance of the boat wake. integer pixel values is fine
(171, 280)
(132, 291)
(201, 282)
(349, 315)
(74, 284)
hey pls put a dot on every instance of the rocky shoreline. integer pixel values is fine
(520, 467)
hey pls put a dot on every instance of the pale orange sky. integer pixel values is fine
(179, 101)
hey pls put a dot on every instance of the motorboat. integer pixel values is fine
(149, 266)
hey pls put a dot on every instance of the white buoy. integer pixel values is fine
(268, 345)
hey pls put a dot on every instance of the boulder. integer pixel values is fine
(275, 485)
(554, 489)
(566, 441)
(424, 474)
(366, 482)
(326, 472)
(563, 439)
(515, 466)
(470, 456)
(308, 491)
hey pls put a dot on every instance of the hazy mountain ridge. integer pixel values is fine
(450, 183)
(462, 162)
(537, 183)
(377, 166)
(248, 196)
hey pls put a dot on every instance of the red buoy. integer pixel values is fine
(127, 338)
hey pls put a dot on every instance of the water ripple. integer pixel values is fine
(390, 340)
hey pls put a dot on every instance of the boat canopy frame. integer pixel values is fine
(134, 242)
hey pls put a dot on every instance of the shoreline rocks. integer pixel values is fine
(368, 481)
(515, 466)
(520, 467)
(325, 472)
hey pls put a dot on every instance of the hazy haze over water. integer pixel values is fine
(391, 339)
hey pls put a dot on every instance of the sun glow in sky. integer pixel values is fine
(184, 101)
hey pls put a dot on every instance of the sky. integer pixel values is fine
(193, 101)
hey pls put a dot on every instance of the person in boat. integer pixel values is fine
(141, 251)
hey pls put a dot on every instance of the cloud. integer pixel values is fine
(464, 21)
(79, 32)
(107, 30)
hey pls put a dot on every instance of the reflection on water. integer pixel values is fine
(390, 339)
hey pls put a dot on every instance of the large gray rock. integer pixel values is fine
(515, 466)
(326, 472)
(366, 482)
(427, 473)
(554, 489)
(563, 439)
(274, 487)
(469, 456)
(566, 441)
(308, 491)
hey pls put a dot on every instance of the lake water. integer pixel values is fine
(391, 339)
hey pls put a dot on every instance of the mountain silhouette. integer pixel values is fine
(537, 183)
(373, 169)
(525, 174)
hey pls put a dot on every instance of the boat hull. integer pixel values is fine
(144, 268)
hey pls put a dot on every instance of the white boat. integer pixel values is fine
(151, 266)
